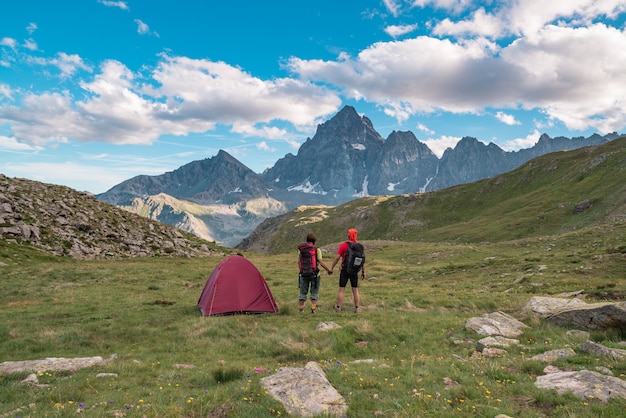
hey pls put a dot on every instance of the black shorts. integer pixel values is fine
(344, 277)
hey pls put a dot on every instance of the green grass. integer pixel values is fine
(414, 306)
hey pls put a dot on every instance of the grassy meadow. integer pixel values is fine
(171, 362)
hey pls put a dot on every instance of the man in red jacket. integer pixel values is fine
(344, 276)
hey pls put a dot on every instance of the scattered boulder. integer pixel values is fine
(600, 350)
(566, 312)
(584, 384)
(450, 384)
(497, 341)
(582, 206)
(550, 356)
(489, 352)
(496, 323)
(549, 369)
(305, 391)
(327, 326)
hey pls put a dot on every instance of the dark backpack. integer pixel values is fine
(307, 260)
(355, 257)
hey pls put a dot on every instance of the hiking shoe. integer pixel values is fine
(357, 309)
(337, 308)
(313, 310)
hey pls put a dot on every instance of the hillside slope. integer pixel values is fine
(552, 194)
(61, 221)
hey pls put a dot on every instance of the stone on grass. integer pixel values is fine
(496, 323)
(584, 384)
(575, 312)
(305, 391)
(327, 326)
(497, 341)
(550, 356)
(600, 350)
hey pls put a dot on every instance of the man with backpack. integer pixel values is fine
(352, 257)
(309, 260)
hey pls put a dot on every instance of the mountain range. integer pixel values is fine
(579, 193)
(222, 200)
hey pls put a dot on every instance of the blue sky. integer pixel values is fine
(94, 92)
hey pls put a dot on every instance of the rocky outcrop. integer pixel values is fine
(582, 383)
(64, 222)
(578, 313)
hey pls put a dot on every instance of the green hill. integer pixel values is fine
(553, 194)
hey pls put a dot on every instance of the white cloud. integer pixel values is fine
(481, 24)
(30, 44)
(439, 145)
(263, 146)
(119, 4)
(520, 17)
(183, 96)
(575, 75)
(424, 128)
(32, 27)
(522, 143)
(530, 16)
(507, 119)
(85, 177)
(5, 91)
(392, 7)
(13, 145)
(10, 42)
(567, 74)
(144, 29)
(218, 92)
(67, 65)
(451, 5)
(396, 31)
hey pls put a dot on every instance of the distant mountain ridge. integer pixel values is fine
(554, 194)
(346, 159)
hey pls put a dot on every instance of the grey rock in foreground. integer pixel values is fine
(496, 323)
(575, 312)
(305, 391)
(584, 384)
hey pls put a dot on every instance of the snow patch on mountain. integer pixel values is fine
(307, 187)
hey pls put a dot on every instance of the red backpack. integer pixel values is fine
(307, 260)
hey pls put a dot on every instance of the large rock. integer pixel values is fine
(584, 384)
(305, 391)
(575, 312)
(496, 323)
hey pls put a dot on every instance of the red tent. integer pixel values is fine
(236, 286)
